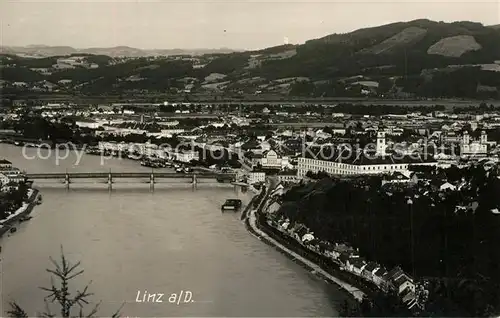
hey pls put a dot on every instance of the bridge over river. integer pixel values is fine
(152, 177)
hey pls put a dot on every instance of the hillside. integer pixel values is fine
(118, 51)
(420, 58)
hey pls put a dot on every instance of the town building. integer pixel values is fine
(256, 177)
(3, 179)
(474, 148)
(287, 176)
(349, 161)
(88, 124)
(270, 160)
(9, 174)
(186, 156)
(5, 164)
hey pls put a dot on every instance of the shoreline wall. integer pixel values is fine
(253, 227)
(27, 211)
(251, 219)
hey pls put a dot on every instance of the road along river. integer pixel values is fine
(132, 241)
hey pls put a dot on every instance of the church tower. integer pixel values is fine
(484, 137)
(466, 138)
(381, 143)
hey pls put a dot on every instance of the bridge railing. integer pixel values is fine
(127, 175)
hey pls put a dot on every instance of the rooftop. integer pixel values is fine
(371, 266)
(401, 279)
(358, 157)
(380, 272)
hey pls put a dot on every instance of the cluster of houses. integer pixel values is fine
(413, 295)
(284, 171)
(10, 176)
(287, 152)
(149, 150)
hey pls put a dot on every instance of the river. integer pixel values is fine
(167, 241)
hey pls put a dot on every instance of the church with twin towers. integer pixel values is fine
(359, 162)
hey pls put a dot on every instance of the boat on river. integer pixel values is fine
(93, 151)
(225, 178)
(24, 219)
(154, 163)
(231, 204)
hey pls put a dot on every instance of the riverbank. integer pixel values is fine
(186, 225)
(253, 203)
(245, 100)
(24, 211)
(249, 216)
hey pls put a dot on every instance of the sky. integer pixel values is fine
(236, 24)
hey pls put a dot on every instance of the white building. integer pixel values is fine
(255, 177)
(171, 132)
(470, 148)
(113, 146)
(381, 145)
(3, 179)
(288, 177)
(346, 162)
(88, 124)
(10, 174)
(5, 164)
(61, 66)
(270, 160)
(186, 156)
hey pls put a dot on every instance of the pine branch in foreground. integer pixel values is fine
(59, 293)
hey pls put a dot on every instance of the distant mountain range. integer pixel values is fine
(118, 51)
(420, 58)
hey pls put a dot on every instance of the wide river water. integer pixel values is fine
(130, 240)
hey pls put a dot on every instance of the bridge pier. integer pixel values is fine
(110, 181)
(194, 181)
(67, 181)
(152, 182)
(68, 178)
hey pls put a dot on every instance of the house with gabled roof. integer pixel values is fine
(5, 164)
(409, 298)
(403, 283)
(352, 263)
(398, 280)
(379, 277)
(447, 187)
(358, 265)
(339, 249)
(344, 257)
(394, 273)
(369, 270)
(400, 177)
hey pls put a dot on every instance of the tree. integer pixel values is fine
(461, 270)
(60, 293)
(385, 85)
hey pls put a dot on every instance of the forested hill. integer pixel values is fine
(449, 239)
(417, 58)
(41, 51)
